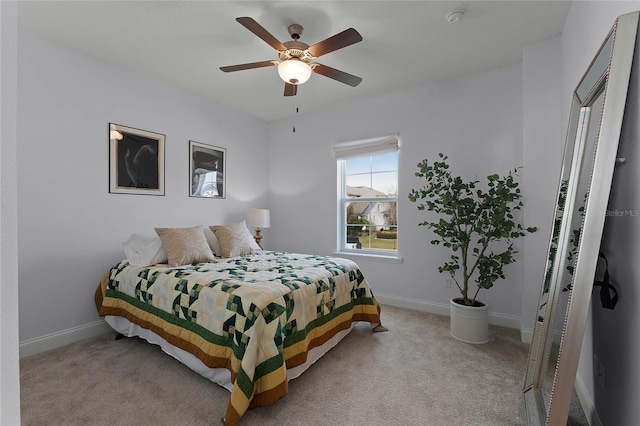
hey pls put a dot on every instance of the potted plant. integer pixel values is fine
(479, 227)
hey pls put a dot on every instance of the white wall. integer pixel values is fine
(476, 120)
(9, 367)
(611, 335)
(70, 228)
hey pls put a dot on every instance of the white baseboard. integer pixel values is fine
(418, 305)
(443, 309)
(526, 335)
(62, 338)
(588, 405)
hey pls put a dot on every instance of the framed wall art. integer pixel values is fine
(136, 161)
(207, 167)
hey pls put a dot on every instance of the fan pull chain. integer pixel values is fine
(294, 118)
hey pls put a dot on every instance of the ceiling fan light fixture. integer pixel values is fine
(294, 71)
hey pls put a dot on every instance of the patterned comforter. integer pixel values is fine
(254, 315)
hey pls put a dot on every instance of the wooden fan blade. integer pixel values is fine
(248, 66)
(338, 75)
(290, 89)
(260, 31)
(338, 41)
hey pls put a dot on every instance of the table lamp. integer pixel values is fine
(259, 219)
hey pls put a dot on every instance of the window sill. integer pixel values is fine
(369, 256)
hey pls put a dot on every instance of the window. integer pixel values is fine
(368, 196)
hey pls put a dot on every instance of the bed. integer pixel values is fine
(249, 323)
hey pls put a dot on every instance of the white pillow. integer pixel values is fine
(235, 240)
(144, 250)
(185, 246)
(212, 240)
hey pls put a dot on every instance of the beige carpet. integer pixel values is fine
(414, 374)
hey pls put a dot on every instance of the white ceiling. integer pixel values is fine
(406, 43)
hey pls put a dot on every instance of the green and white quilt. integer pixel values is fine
(255, 315)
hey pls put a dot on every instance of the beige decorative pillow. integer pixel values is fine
(185, 246)
(234, 240)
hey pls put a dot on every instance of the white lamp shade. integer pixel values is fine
(294, 71)
(259, 218)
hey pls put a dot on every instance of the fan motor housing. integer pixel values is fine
(295, 49)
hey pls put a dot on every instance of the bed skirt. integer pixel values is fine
(220, 376)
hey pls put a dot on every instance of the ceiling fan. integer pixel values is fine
(294, 64)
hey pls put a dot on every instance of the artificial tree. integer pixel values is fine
(477, 225)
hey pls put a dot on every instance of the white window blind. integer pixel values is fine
(373, 146)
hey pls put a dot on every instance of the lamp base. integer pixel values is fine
(258, 237)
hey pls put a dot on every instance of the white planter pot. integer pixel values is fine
(469, 324)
